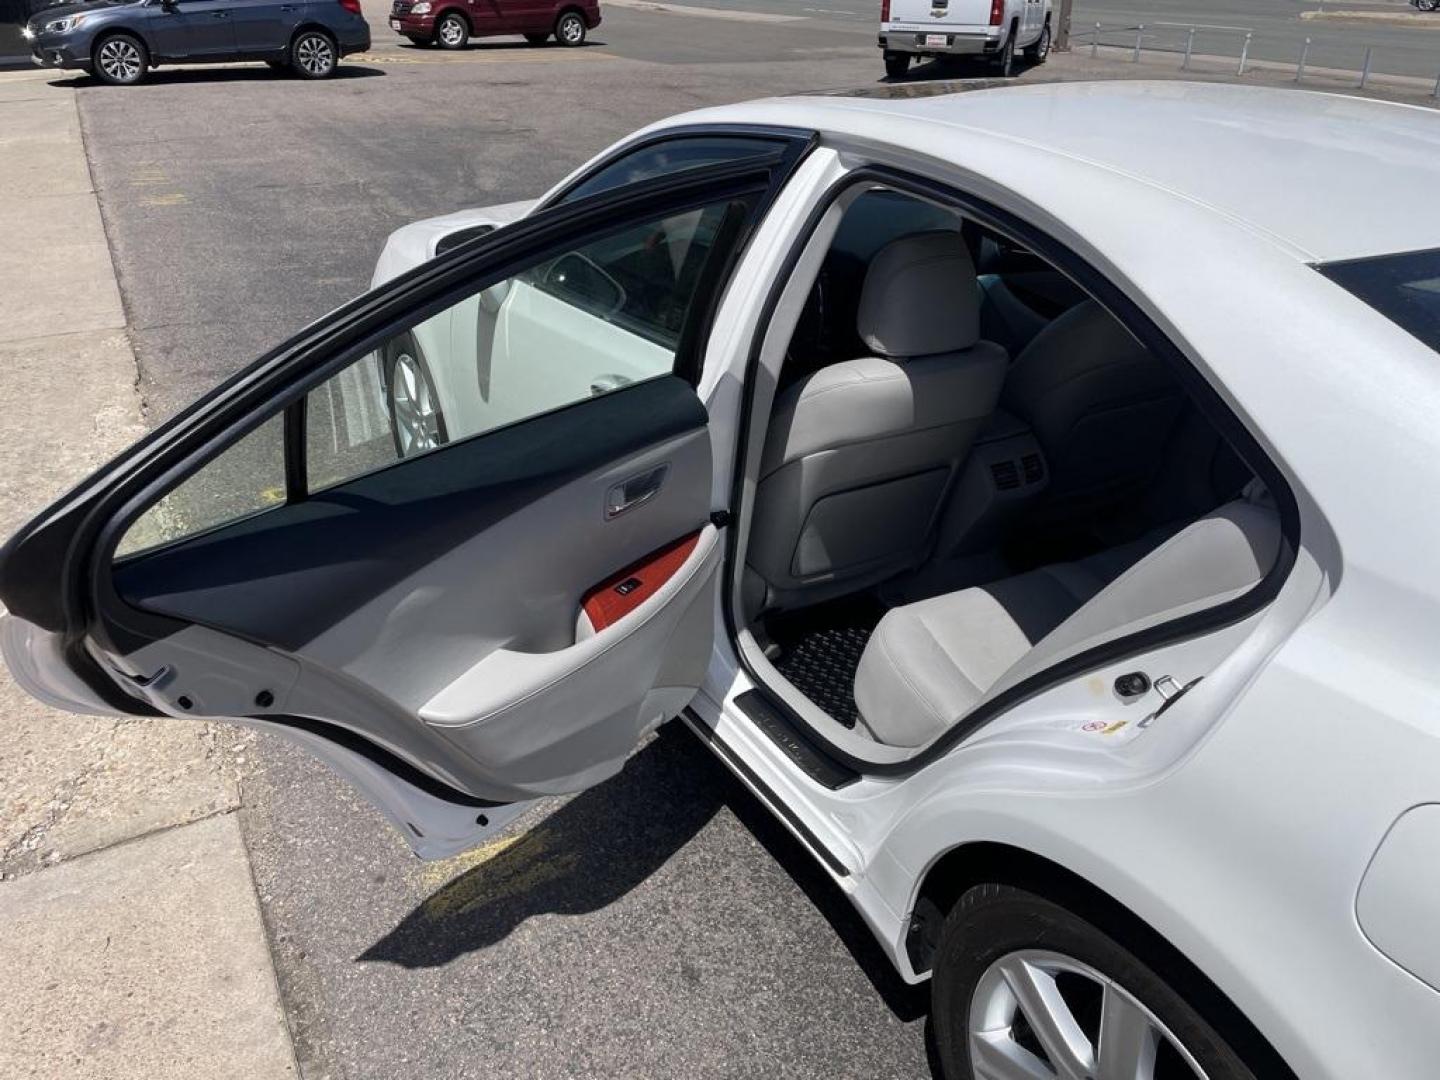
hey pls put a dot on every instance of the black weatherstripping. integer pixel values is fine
(285, 576)
(1119, 304)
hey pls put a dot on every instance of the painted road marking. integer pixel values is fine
(495, 871)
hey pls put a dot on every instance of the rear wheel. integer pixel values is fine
(313, 55)
(896, 64)
(537, 39)
(1040, 51)
(452, 31)
(416, 420)
(120, 60)
(570, 29)
(1023, 988)
(1005, 59)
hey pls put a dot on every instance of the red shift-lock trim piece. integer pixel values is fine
(622, 593)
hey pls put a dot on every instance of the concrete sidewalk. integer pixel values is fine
(133, 944)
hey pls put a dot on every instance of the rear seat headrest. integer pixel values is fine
(920, 297)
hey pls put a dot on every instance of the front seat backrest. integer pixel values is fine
(1100, 404)
(859, 454)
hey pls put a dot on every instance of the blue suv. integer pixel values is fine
(120, 40)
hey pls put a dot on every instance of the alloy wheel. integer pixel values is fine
(1040, 1015)
(120, 60)
(315, 55)
(451, 32)
(412, 407)
(571, 30)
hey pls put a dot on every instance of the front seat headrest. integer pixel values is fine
(920, 297)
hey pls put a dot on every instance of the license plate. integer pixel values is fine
(394, 24)
(936, 39)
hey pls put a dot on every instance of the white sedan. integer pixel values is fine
(1038, 527)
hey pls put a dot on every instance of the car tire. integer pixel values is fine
(896, 64)
(120, 59)
(1039, 52)
(417, 422)
(537, 39)
(452, 31)
(570, 29)
(999, 941)
(313, 55)
(1005, 59)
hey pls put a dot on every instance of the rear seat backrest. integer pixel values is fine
(1212, 560)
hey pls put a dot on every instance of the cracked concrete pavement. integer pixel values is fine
(125, 886)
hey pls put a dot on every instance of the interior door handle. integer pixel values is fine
(636, 491)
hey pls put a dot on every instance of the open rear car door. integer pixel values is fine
(463, 579)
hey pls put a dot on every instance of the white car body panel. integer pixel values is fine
(1241, 825)
(413, 244)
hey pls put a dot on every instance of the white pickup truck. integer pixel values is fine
(989, 28)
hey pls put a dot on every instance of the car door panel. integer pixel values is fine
(376, 581)
(193, 30)
(264, 26)
(419, 624)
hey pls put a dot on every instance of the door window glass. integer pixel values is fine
(589, 320)
(246, 479)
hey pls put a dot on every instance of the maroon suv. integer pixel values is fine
(452, 23)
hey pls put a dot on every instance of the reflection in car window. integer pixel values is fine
(598, 317)
(641, 279)
(603, 314)
(1404, 288)
(671, 156)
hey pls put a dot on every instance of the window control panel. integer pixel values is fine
(629, 585)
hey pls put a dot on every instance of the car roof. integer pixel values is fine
(1328, 176)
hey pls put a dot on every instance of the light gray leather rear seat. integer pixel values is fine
(859, 455)
(929, 663)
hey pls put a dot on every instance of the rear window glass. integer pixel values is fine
(1403, 288)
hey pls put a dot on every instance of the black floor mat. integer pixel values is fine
(820, 649)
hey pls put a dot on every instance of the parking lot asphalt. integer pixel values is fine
(659, 925)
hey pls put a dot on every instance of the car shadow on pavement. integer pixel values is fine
(605, 842)
(256, 74)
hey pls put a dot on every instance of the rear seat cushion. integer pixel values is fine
(941, 655)
(929, 663)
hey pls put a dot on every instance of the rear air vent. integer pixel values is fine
(1033, 468)
(1006, 475)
